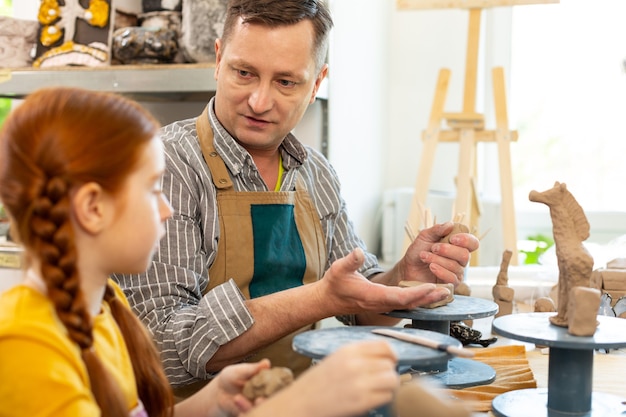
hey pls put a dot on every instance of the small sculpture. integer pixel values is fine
(570, 228)
(140, 45)
(503, 295)
(73, 34)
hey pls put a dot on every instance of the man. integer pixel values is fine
(260, 246)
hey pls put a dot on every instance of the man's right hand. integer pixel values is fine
(349, 292)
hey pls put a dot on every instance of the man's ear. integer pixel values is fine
(89, 207)
(218, 57)
(318, 81)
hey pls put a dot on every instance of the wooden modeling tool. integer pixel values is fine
(423, 341)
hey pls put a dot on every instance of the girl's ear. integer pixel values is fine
(89, 207)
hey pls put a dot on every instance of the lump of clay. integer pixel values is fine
(458, 228)
(544, 305)
(416, 399)
(463, 289)
(443, 302)
(267, 382)
(584, 303)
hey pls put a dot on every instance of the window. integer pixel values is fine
(568, 101)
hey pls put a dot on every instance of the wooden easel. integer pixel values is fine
(467, 128)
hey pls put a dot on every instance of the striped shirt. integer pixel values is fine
(189, 327)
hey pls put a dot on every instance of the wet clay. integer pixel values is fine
(443, 302)
(267, 382)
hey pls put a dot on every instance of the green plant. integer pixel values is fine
(536, 245)
(6, 8)
(5, 108)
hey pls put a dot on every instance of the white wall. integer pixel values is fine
(358, 83)
(384, 65)
(25, 9)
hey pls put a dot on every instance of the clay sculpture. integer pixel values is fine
(503, 295)
(570, 228)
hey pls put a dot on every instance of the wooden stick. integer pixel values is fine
(409, 232)
(423, 341)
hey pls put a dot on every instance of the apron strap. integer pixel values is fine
(219, 172)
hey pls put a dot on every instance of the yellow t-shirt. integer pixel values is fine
(41, 370)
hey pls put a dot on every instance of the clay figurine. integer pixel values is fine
(570, 228)
(503, 295)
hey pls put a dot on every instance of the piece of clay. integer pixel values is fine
(267, 382)
(443, 302)
(458, 228)
(463, 289)
(503, 295)
(584, 303)
(416, 399)
(544, 305)
(569, 228)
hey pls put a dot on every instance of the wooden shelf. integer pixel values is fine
(167, 82)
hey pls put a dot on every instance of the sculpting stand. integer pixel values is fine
(570, 369)
(317, 344)
(457, 372)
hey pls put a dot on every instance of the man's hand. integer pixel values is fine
(429, 260)
(346, 291)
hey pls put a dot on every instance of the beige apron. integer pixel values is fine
(254, 227)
